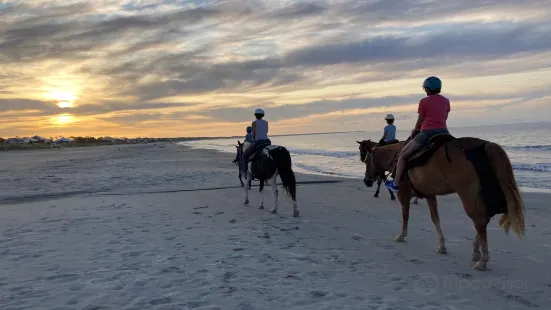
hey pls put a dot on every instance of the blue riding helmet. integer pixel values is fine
(432, 83)
(249, 129)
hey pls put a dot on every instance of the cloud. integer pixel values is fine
(149, 62)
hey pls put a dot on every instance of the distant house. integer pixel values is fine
(40, 139)
(63, 141)
(18, 140)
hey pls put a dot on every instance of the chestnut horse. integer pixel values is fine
(479, 171)
(364, 146)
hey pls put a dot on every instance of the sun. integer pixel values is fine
(65, 98)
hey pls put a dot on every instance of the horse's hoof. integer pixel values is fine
(261, 207)
(376, 195)
(295, 213)
(246, 202)
(442, 251)
(392, 198)
(476, 257)
(481, 266)
(399, 238)
(274, 211)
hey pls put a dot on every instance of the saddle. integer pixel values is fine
(261, 148)
(435, 142)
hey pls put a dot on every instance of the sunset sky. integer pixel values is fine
(199, 68)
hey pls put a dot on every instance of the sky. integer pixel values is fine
(174, 68)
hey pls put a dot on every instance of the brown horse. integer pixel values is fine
(365, 145)
(479, 171)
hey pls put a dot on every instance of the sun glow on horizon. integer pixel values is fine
(62, 119)
(65, 98)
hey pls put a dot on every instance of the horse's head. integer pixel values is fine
(365, 147)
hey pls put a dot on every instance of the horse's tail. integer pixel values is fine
(283, 163)
(514, 218)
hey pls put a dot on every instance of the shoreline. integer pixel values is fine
(523, 189)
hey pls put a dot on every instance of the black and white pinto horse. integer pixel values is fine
(265, 165)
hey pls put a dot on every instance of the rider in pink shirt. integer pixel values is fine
(433, 113)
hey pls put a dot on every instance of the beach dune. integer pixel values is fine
(144, 227)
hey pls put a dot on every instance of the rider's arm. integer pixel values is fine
(254, 129)
(419, 122)
(384, 134)
(420, 118)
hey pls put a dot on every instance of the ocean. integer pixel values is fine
(337, 154)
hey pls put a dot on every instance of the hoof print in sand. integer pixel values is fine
(318, 293)
(265, 236)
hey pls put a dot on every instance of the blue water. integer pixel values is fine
(337, 154)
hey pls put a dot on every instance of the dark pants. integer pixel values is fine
(424, 136)
(256, 144)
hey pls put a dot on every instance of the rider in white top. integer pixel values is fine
(260, 134)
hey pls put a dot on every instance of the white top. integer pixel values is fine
(261, 129)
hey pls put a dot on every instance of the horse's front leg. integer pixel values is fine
(404, 196)
(240, 178)
(433, 206)
(247, 190)
(376, 195)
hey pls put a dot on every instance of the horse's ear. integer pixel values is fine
(358, 142)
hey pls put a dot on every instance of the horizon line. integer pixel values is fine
(279, 135)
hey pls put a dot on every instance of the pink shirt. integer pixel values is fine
(434, 109)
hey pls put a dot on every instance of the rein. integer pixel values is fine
(392, 164)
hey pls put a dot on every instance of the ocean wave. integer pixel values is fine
(529, 147)
(533, 167)
(338, 154)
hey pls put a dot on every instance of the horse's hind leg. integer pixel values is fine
(483, 240)
(246, 188)
(404, 196)
(476, 249)
(473, 206)
(261, 206)
(433, 206)
(273, 185)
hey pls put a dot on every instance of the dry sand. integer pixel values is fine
(145, 227)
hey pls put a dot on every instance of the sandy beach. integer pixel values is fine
(164, 227)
